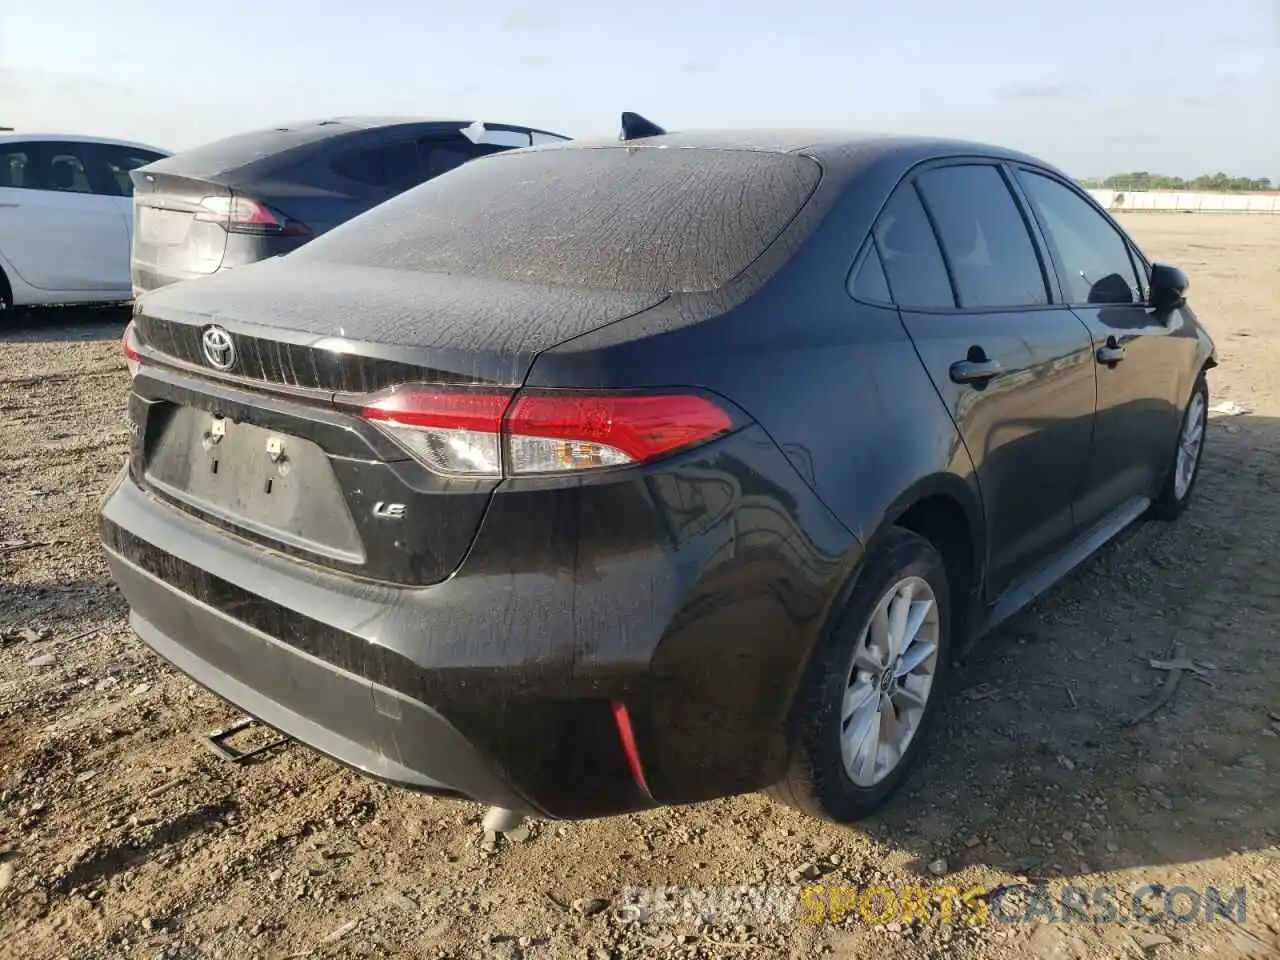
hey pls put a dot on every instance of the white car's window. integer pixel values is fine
(120, 160)
(67, 173)
(45, 165)
(13, 165)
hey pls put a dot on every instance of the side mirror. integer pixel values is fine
(1168, 287)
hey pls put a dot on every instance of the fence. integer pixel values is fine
(1170, 201)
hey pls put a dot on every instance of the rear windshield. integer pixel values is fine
(653, 220)
(231, 153)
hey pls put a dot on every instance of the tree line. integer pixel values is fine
(1206, 182)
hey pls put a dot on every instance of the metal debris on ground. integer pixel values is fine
(216, 742)
(982, 691)
(341, 932)
(1228, 408)
(1199, 670)
(1176, 665)
(519, 835)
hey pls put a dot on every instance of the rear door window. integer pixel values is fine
(67, 171)
(912, 260)
(1094, 257)
(868, 283)
(984, 237)
(115, 163)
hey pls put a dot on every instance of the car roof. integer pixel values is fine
(237, 153)
(18, 137)
(833, 148)
(370, 122)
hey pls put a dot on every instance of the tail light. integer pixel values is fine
(245, 215)
(132, 359)
(489, 434)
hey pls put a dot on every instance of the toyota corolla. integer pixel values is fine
(598, 476)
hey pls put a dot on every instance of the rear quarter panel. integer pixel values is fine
(859, 435)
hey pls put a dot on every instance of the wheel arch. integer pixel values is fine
(6, 289)
(945, 510)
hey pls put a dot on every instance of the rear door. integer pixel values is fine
(1140, 358)
(61, 229)
(1014, 368)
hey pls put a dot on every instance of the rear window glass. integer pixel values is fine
(652, 220)
(242, 149)
(362, 166)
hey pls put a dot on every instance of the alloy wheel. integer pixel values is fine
(894, 665)
(1189, 443)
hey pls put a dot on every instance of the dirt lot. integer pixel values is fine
(120, 836)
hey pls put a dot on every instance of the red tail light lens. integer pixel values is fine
(245, 215)
(132, 359)
(554, 432)
(477, 434)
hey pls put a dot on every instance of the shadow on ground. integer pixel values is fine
(65, 324)
(1037, 765)
(23, 603)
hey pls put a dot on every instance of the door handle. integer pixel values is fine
(10, 205)
(1110, 354)
(971, 371)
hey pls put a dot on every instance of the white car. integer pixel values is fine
(66, 218)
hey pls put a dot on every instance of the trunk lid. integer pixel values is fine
(270, 448)
(351, 329)
(168, 241)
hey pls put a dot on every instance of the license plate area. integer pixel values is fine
(162, 227)
(274, 484)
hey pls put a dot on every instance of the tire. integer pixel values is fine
(817, 781)
(6, 297)
(1175, 495)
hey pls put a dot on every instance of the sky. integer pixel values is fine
(1095, 86)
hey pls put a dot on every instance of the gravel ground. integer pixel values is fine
(121, 836)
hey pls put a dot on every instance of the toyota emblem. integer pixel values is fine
(219, 348)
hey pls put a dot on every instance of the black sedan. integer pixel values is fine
(598, 476)
(266, 192)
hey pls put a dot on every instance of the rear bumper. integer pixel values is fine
(692, 593)
(419, 687)
(376, 730)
